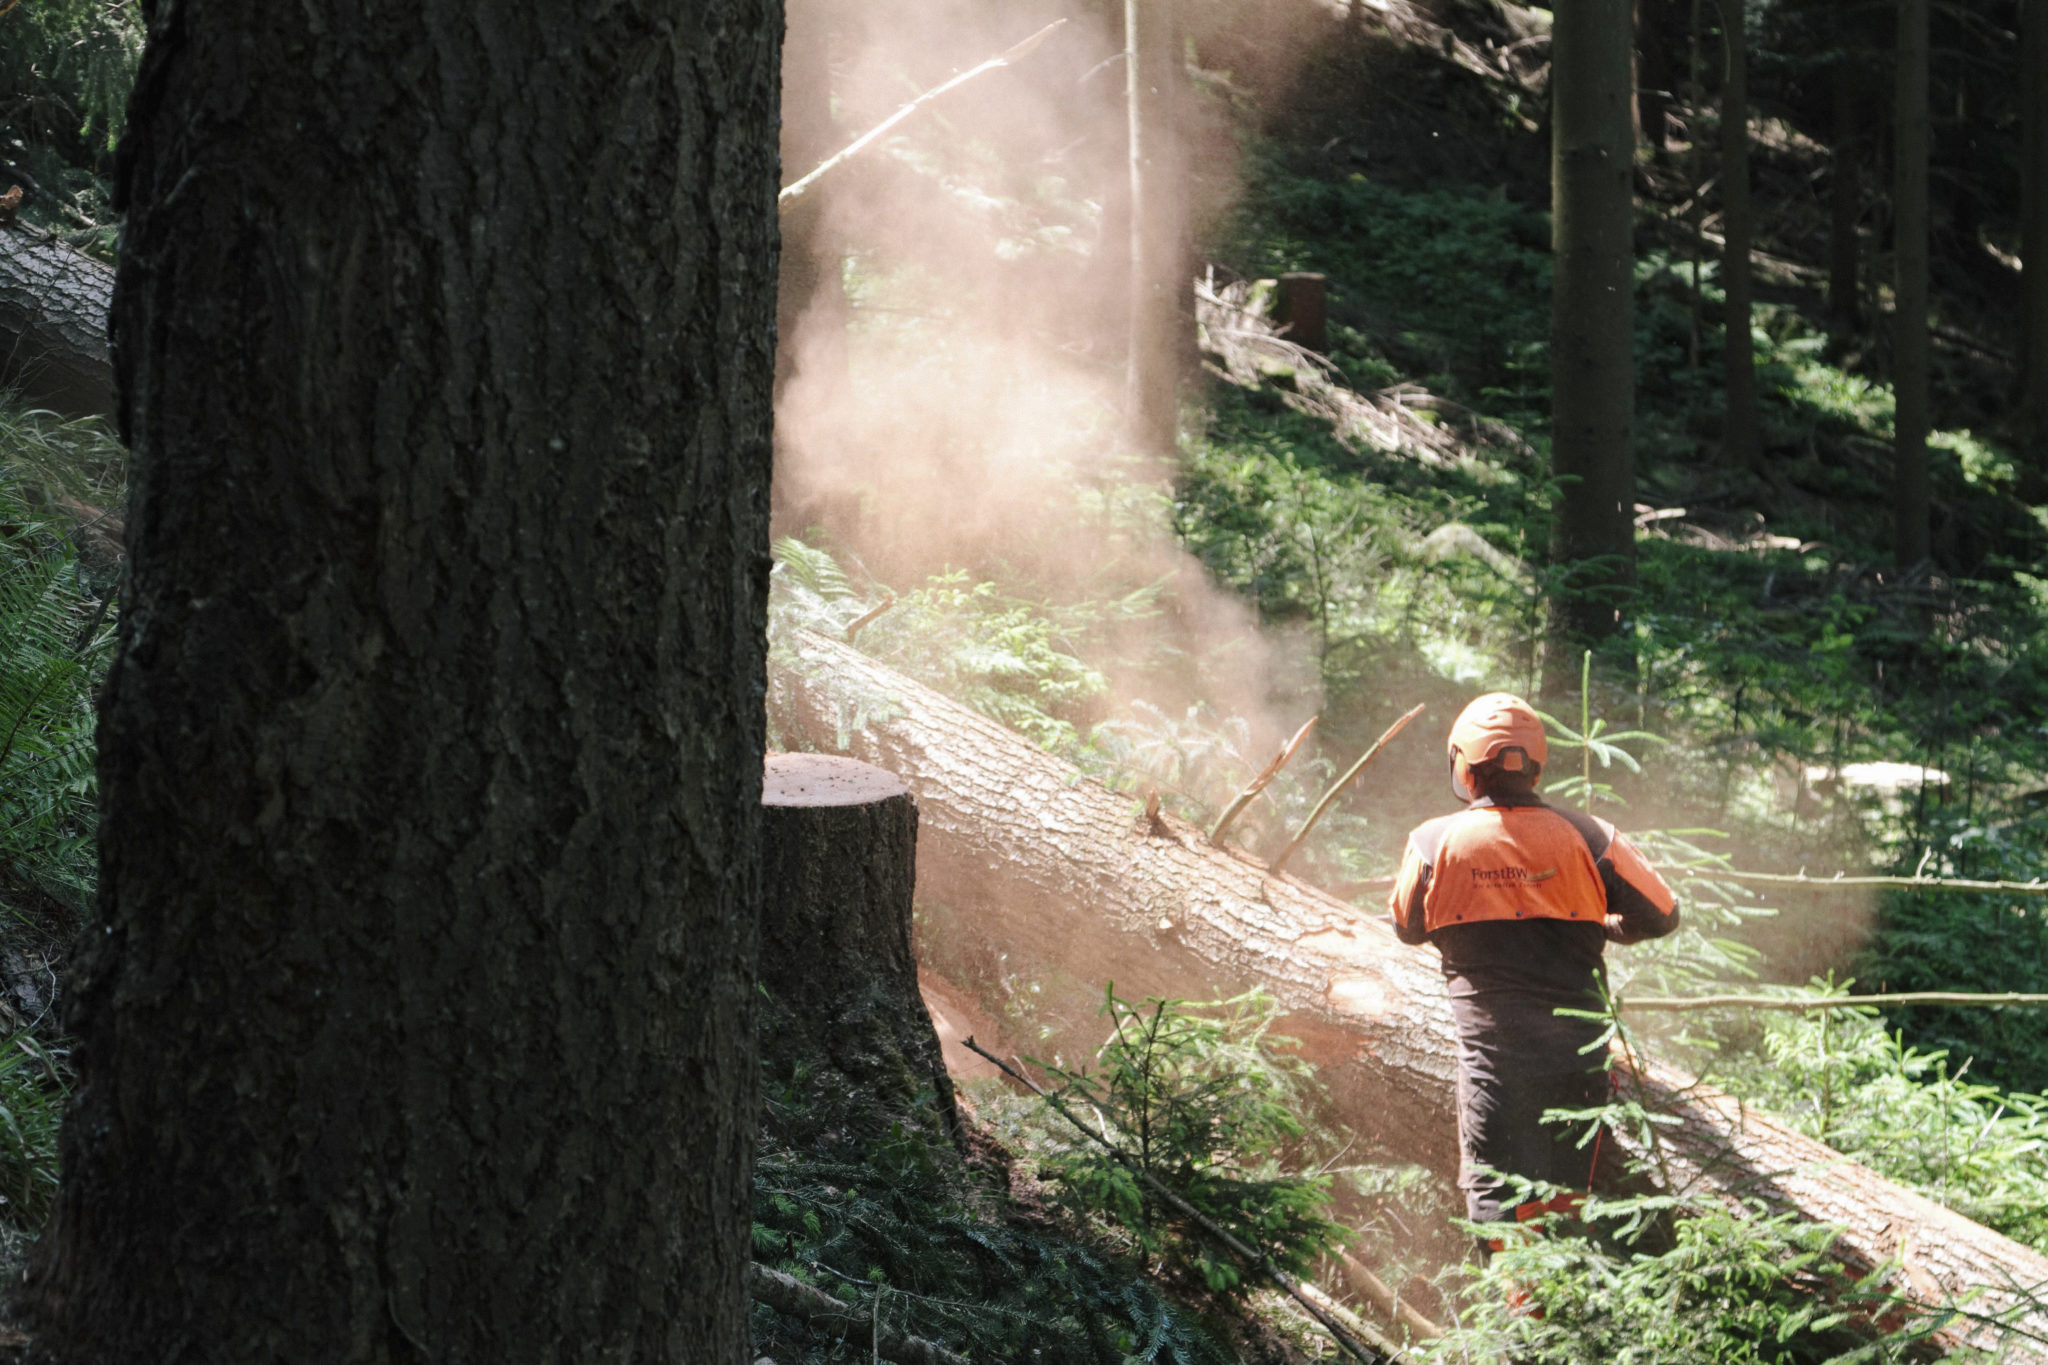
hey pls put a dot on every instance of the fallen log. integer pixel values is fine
(53, 325)
(1061, 867)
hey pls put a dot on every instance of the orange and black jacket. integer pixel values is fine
(1516, 896)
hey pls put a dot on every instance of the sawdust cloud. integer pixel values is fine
(954, 336)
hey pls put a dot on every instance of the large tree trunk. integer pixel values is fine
(1740, 441)
(1910, 535)
(53, 325)
(417, 1020)
(1845, 196)
(1057, 868)
(1592, 325)
(2034, 227)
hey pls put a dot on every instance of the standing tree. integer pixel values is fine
(1845, 189)
(2034, 214)
(1592, 330)
(1910, 536)
(1154, 70)
(416, 1023)
(1740, 440)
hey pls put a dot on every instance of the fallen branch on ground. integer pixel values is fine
(814, 1307)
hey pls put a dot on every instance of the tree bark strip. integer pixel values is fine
(416, 1021)
(53, 325)
(1911, 522)
(1059, 866)
(1592, 327)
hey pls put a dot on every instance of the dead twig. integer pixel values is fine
(1280, 863)
(1258, 784)
(1250, 1255)
(796, 189)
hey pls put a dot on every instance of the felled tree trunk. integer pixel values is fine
(1067, 871)
(53, 325)
(843, 1019)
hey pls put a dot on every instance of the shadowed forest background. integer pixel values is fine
(1153, 459)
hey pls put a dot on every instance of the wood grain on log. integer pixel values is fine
(1055, 863)
(53, 325)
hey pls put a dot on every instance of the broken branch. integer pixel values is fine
(1280, 863)
(1258, 784)
(795, 190)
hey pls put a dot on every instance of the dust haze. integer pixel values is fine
(954, 332)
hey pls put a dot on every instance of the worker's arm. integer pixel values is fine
(1410, 889)
(1639, 905)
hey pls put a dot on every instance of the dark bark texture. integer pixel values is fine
(1740, 442)
(53, 325)
(1845, 195)
(417, 1021)
(2034, 226)
(1911, 535)
(1592, 359)
(843, 1017)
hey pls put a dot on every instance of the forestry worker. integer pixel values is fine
(1520, 899)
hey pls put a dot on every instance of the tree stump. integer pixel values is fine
(1303, 308)
(845, 1038)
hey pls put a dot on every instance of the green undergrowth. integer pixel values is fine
(941, 1249)
(56, 633)
(1843, 1078)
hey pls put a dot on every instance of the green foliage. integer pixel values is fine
(1012, 660)
(1842, 1077)
(54, 641)
(1198, 1098)
(66, 67)
(941, 1256)
(1448, 284)
(32, 1089)
(1730, 1288)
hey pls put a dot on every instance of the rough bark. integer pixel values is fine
(1592, 328)
(1910, 535)
(1740, 441)
(417, 1020)
(1060, 868)
(53, 325)
(838, 857)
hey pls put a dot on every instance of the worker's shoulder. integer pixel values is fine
(1428, 837)
(1597, 833)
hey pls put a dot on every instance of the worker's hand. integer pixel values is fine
(1617, 931)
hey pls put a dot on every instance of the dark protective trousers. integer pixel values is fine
(1500, 1129)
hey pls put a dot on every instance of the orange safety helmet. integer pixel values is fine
(1498, 726)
